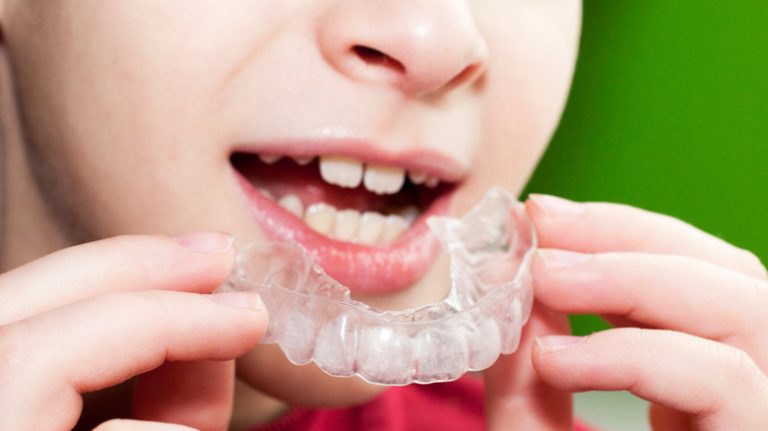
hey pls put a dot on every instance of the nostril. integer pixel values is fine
(374, 57)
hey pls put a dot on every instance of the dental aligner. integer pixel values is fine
(313, 318)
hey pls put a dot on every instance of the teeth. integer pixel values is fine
(320, 217)
(371, 227)
(417, 177)
(431, 182)
(303, 161)
(379, 179)
(293, 204)
(350, 173)
(349, 225)
(409, 214)
(267, 194)
(368, 228)
(341, 171)
(384, 179)
(269, 158)
(347, 222)
(394, 226)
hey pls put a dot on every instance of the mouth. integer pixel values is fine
(360, 214)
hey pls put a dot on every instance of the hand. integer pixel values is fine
(690, 313)
(92, 316)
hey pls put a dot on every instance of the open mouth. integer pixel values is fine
(362, 220)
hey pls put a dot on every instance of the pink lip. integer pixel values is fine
(364, 269)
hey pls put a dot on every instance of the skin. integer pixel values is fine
(119, 118)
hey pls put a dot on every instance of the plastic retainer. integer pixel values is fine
(313, 318)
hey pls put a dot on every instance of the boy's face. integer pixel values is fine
(145, 116)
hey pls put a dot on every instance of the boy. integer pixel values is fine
(336, 124)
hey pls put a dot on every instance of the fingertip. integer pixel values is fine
(533, 209)
(553, 217)
(554, 206)
(216, 247)
(549, 286)
(246, 301)
(206, 259)
(556, 343)
(547, 351)
(560, 361)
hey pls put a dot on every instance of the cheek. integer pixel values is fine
(124, 108)
(533, 53)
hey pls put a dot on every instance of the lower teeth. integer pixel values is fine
(370, 227)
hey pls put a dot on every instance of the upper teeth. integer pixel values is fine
(303, 160)
(379, 179)
(350, 173)
(269, 158)
(342, 171)
(417, 177)
(384, 179)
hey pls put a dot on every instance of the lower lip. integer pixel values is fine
(364, 269)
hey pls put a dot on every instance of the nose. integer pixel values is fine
(418, 46)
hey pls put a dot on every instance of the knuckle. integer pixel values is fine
(128, 302)
(636, 341)
(743, 368)
(154, 303)
(764, 388)
(135, 268)
(760, 303)
(14, 351)
(636, 337)
(135, 241)
(13, 348)
(752, 264)
(136, 256)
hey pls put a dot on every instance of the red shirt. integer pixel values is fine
(444, 406)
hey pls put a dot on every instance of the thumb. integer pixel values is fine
(198, 394)
(515, 397)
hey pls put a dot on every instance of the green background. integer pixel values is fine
(669, 112)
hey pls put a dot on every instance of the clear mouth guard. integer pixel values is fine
(313, 318)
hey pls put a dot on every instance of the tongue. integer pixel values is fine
(286, 177)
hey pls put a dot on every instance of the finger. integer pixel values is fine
(516, 397)
(197, 394)
(602, 227)
(197, 263)
(717, 384)
(105, 340)
(134, 425)
(654, 290)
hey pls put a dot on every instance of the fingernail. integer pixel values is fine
(562, 259)
(246, 300)
(558, 207)
(206, 242)
(555, 343)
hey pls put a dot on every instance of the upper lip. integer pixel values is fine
(433, 163)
